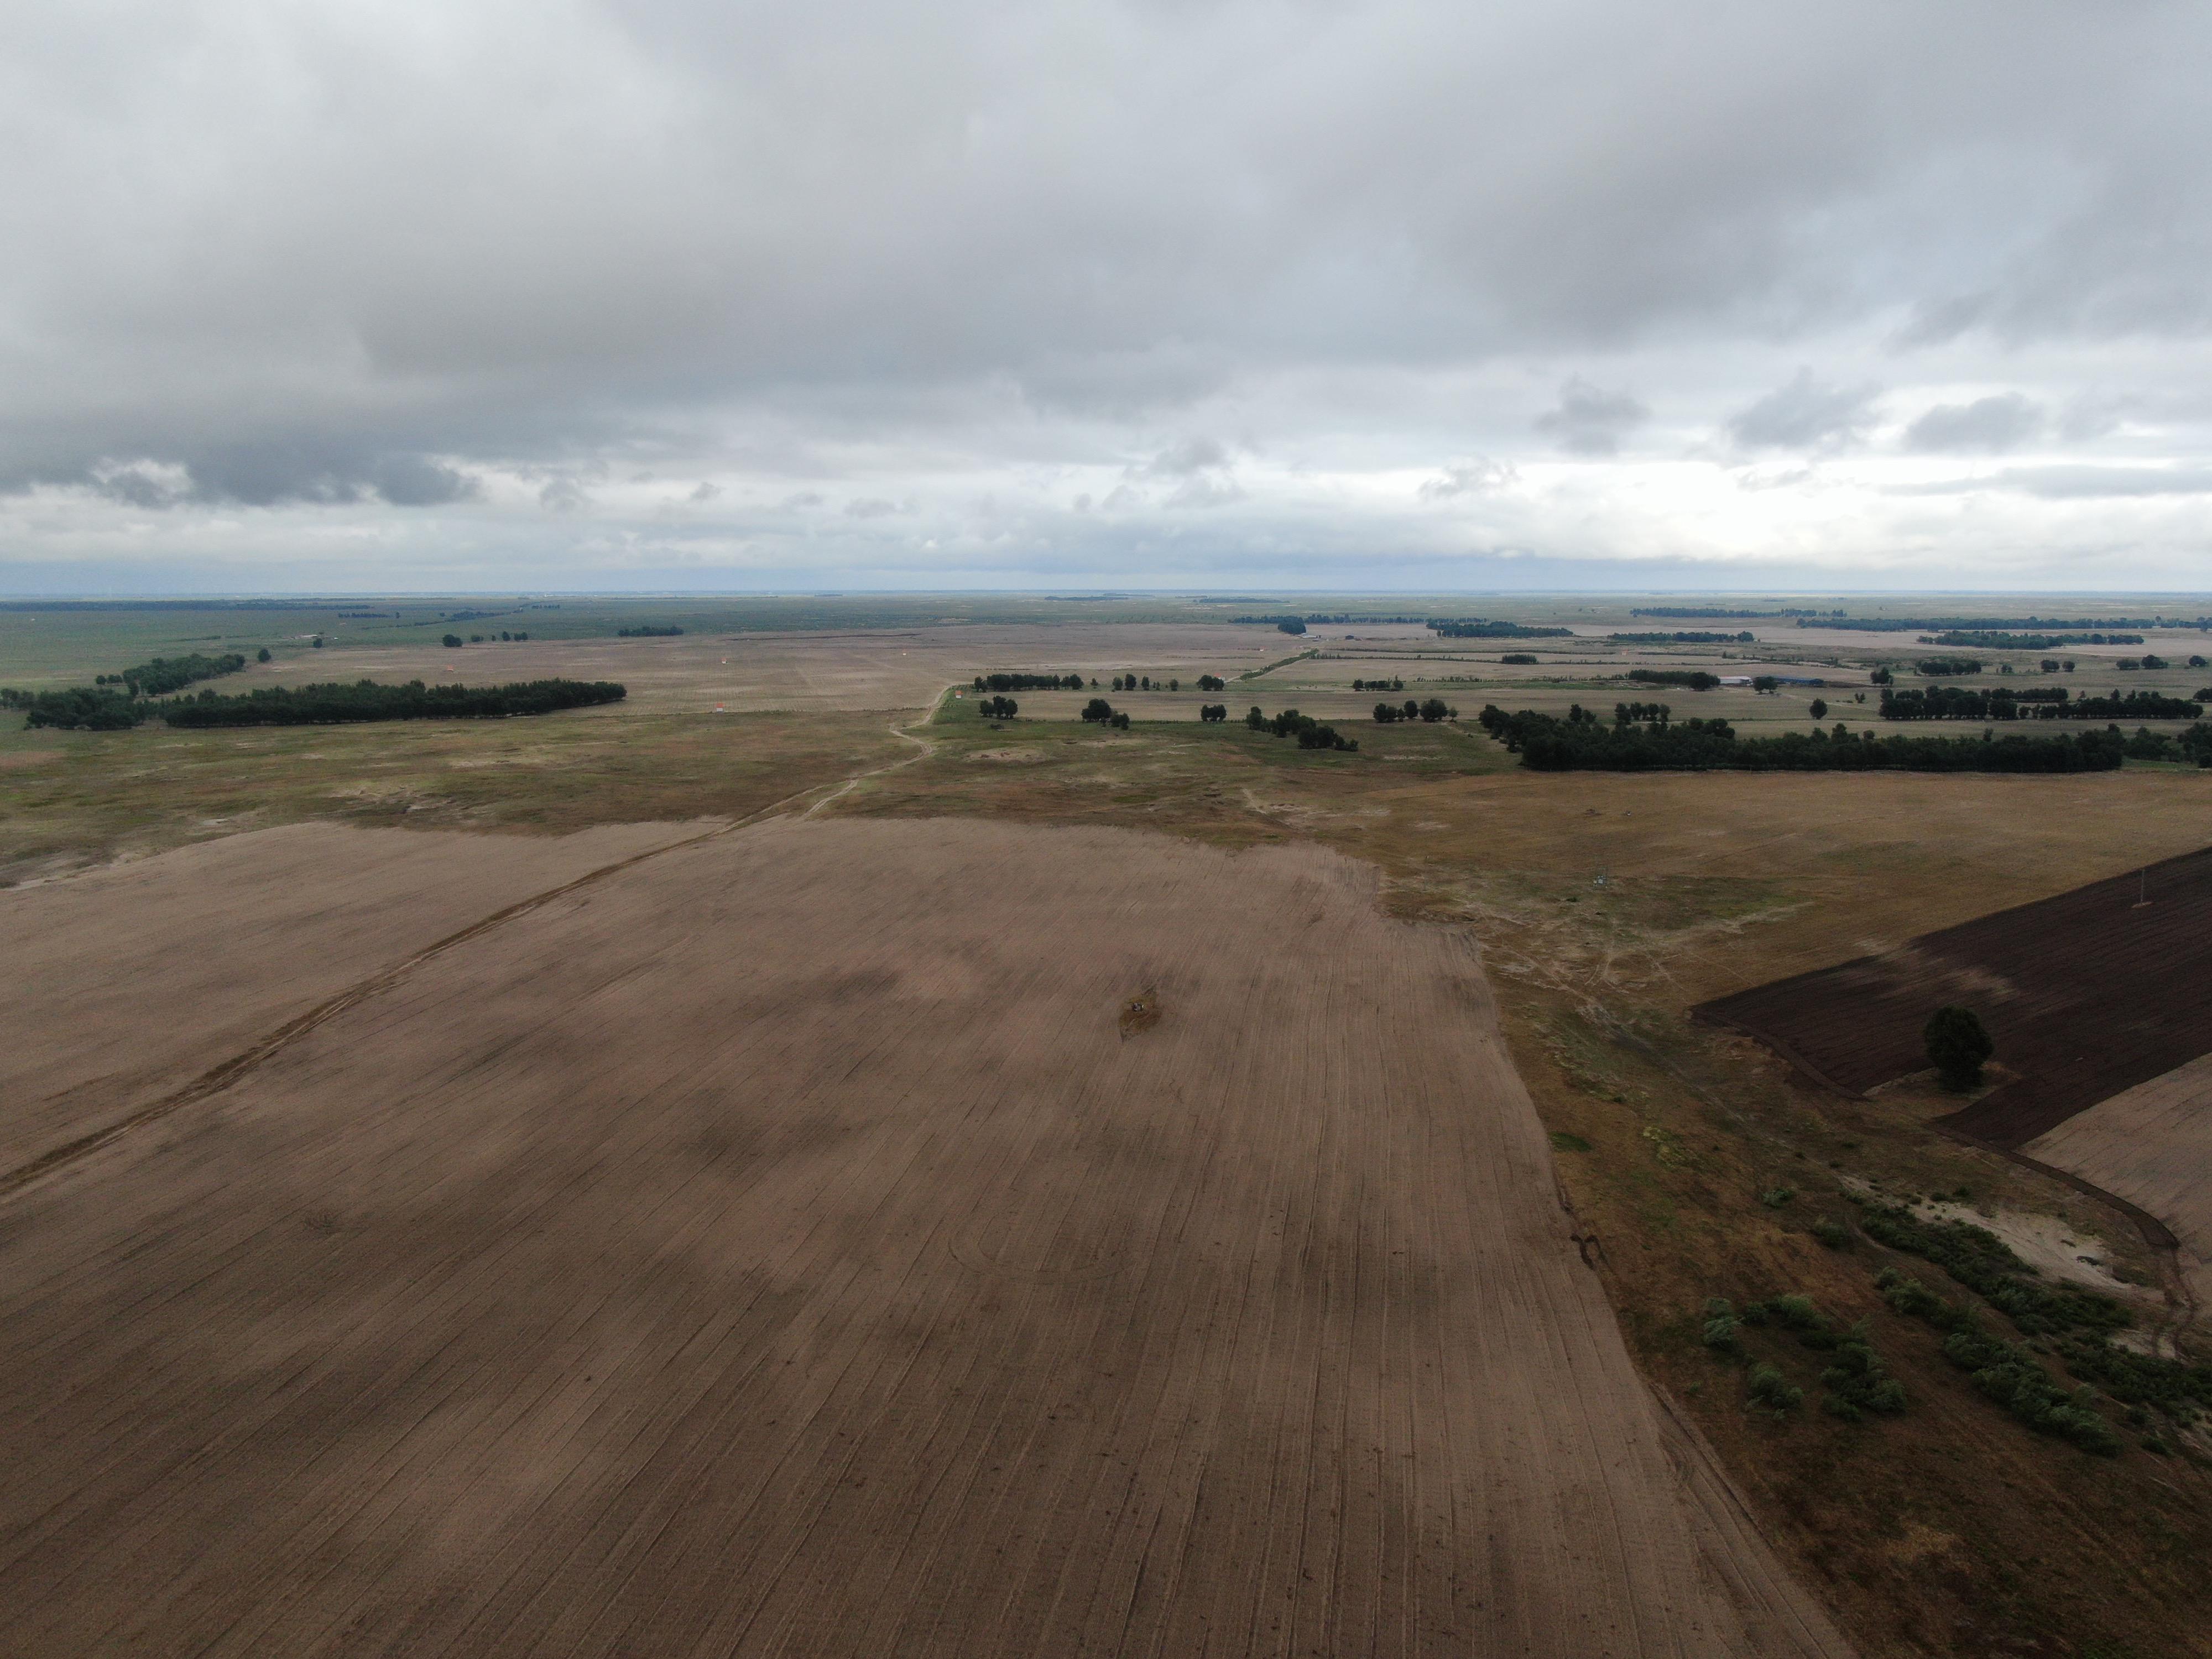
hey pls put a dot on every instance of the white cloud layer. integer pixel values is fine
(589, 295)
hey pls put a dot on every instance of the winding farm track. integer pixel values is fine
(772, 1244)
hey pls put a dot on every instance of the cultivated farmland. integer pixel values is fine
(801, 1241)
(2152, 1146)
(2088, 993)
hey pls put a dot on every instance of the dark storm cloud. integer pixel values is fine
(1805, 414)
(1590, 421)
(1986, 425)
(415, 260)
(265, 475)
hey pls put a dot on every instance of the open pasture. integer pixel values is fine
(2086, 994)
(860, 1237)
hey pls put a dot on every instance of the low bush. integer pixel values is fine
(1776, 1392)
(1980, 1260)
(1831, 1233)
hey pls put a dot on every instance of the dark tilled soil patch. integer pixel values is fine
(2087, 994)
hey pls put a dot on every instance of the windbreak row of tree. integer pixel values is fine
(1146, 683)
(163, 675)
(1378, 685)
(1030, 683)
(1431, 711)
(453, 641)
(2002, 641)
(80, 709)
(1692, 679)
(1213, 711)
(1983, 625)
(333, 705)
(2148, 659)
(1935, 667)
(1212, 683)
(998, 709)
(1959, 702)
(1333, 619)
(1475, 628)
(1582, 743)
(1688, 612)
(2192, 747)
(1103, 712)
(1310, 732)
(1744, 638)
(646, 631)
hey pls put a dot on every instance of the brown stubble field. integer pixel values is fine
(787, 1245)
(1916, 1529)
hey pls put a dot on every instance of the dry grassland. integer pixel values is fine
(793, 1245)
(744, 672)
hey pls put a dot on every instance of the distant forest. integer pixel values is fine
(1996, 624)
(102, 709)
(1744, 638)
(333, 705)
(1029, 683)
(1583, 743)
(1475, 628)
(1959, 702)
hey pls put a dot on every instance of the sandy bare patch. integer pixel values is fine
(780, 1248)
(1010, 757)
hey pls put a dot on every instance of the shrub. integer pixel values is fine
(1775, 1197)
(1957, 1045)
(1831, 1233)
(1770, 1389)
(453, 641)
(1857, 1382)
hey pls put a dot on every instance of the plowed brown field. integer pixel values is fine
(780, 1247)
(129, 980)
(2086, 994)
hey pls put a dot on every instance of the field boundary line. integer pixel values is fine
(222, 1075)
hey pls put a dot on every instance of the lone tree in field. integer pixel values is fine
(1820, 709)
(1957, 1045)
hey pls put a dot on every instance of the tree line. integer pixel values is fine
(1583, 743)
(1310, 732)
(998, 709)
(1982, 625)
(1691, 679)
(453, 641)
(646, 631)
(163, 675)
(1029, 683)
(1692, 638)
(2042, 702)
(1103, 712)
(332, 705)
(1378, 685)
(1475, 628)
(2002, 641)
(1431, 711)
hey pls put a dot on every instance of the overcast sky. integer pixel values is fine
(557, 294)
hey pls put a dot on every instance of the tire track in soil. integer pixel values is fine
(222, 1077)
